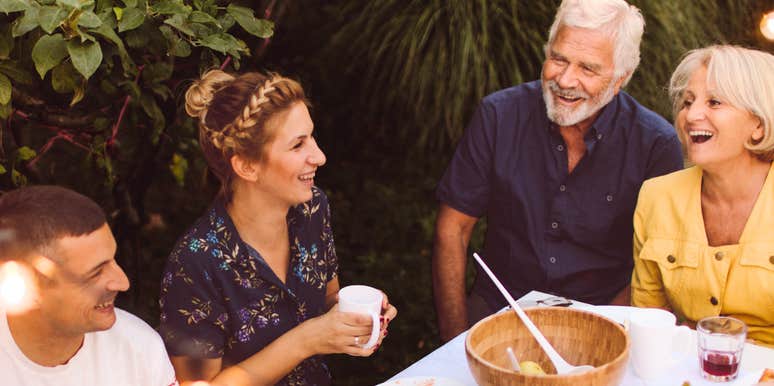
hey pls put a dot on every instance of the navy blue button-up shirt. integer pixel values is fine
(547, 229)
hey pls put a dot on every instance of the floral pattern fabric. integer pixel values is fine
(219, 298)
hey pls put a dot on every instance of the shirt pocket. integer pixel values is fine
(678, 263)
(756, 266)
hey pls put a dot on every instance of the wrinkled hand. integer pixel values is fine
(338, 332)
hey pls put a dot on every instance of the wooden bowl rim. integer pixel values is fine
(491, 366)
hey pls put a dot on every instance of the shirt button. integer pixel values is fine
(562, 188)
(552, 260)
(719, 256)
(671, 259)
(554, 225)
(771, 259)
(560, 147)
(714, 301)
(609, 198)
(599, 136)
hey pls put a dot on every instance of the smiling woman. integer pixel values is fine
(249, 293)
(703, 244)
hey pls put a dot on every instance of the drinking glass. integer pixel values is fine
(721, 341)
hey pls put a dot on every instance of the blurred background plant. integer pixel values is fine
(91, 97)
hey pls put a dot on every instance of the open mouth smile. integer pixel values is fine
(699, 136)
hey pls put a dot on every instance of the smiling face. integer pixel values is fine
(713, 130)
(291, 159)
(577, 76)
(78, 296)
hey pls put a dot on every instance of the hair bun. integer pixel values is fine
(199, 95)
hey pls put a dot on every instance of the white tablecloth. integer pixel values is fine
(449, 361)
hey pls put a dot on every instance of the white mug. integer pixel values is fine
(653, 335)
(362, 299)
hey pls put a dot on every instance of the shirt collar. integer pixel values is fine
(605, 122)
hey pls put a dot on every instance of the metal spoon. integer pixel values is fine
(561, 366)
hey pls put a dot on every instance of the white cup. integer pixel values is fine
(653, 335)
(362, 299)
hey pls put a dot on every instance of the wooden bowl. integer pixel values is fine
(580, 337)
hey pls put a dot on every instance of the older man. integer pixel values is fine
(555, 165)
(68, 331)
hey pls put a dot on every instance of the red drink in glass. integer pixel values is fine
(720, 363)
(721, 342)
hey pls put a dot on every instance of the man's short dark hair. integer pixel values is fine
(33, 218)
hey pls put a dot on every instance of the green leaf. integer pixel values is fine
(153, 111)
(108, 87)
(51, 17)
(28, 22)
(86, 57)
(202, 17)
(5, 111)
(5, 90)
(226, 21)
(131, 88)
(8, 6)
(3, 171)
(261, 28)
(77, 4)
(222, 42)
(136, 39)
(162, 91)
(131, 19)
(6, 41)
(89, 19)
(181, 49)
(24, 153)
(178, 167)
(64, 78)
(17, 178)
(171, 7)
(119, 12)
(130, 3)
(106, 32)
(17, 72)
(78, 93)
(48, 52)
(157, 72)
(181, 24)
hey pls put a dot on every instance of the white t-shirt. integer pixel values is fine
(128, 354)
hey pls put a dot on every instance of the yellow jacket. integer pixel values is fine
(675, 267)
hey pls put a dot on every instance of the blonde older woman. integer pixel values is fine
(703, 236)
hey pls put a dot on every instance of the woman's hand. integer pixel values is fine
(338, 332)
(389, 312)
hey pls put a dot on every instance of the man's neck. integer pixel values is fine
(41, 343)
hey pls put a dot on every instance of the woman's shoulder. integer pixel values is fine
(676, 183)
(208, 237)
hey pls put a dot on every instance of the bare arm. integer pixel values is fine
(623, 298)
(452, 236)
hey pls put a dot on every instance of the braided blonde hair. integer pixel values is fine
(233, 112)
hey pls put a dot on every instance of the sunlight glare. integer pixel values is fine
(13, 287)
(767, 25)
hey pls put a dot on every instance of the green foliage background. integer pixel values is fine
(393, 83)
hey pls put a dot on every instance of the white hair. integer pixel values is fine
(744, 77)
(623, 22)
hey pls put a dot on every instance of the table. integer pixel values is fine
(449, 361)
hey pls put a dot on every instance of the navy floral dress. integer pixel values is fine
(219, 298)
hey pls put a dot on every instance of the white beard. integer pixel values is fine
(568, 116)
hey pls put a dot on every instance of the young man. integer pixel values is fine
(69, 332)
(555, 165)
